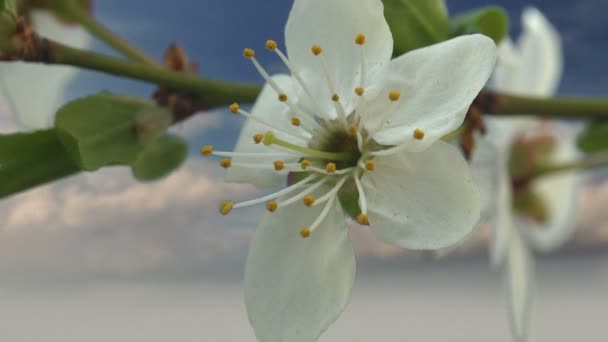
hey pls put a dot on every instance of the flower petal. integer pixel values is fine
(22, 82)
(268, 107)
(437, 85)
(520, 285)
(333, 25)
(541, 55)
(503, 224)
(424, 200)
(294, 287)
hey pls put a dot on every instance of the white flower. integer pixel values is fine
(533, 66)
(35, 92)
(350, 130)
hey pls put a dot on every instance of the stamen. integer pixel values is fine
(325, 172)
(360, 39)
(330, 167)
(316, 50)
(418, 134)
(275, 195)
(306, 191)
(270, 139)
(226, 163)
(258, 137)
(305, 163)
(272, 206)
(391, 150)
(283, 97)
(362, 199)
(269, 124)
(234, 108)
(333, 192)
(206, 150)
(370, 165)
(295, 121)
(279, 165)
(251, 154)
(226, 207)
(309, 200)
(362, 219)
(352, 129)
(248, 53)
(394, 95)
(305, 232)
(359, 91)
(271, 45)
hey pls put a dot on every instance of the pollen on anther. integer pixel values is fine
(272, 206)
(271, 45)
(394, 95)
(257, 138)
(330, 167)
(359, 91)
(335, 97)
(225, 163)
(305, 163)
(370, 165)
(418, 134)
(206, 150)
(316, 50)
(248, 53)
(352, 129)
(234, 108)
(283, 97)
(226, 207)
(279, 165)
(362, 219)
(296, 121)
(309, 200)
(360, 39)
(305, 232)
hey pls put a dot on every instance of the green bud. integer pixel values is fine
(9, 43)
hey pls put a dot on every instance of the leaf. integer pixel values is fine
(416, 23)
(8, 20)
(31, 159)
(106, 129)
(492, 21)
(594, 138)
(159, 158)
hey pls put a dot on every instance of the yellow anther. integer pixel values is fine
(352, 129)
(279, 165)
(335, 98)
(206, 150)
(309, 200)
(271, 45)
(363, 219)
(226, 207)
(359, 91)
(394, 95)
(257, 138)
(316, 50)
(234, 108)
(418, 134)
(370, 165)
(305, 163)
(296, 121)
(248, 53)
(360, 39)
(226, 163)
(268, 138)
(283, 97)
(330, 167)
(305, 232)
(272, 206)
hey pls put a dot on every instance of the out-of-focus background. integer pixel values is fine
(98, 257)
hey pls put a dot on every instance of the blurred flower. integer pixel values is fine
(350, 131)
(530, 214)
(35, 91)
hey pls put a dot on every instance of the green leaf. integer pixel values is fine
(416, 23)
(8, 21)
(594, 138)
(492, 21)
(106, 129)
(159, 158)
(31, 159)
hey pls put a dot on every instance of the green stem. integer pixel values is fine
(557, 107)
(213, 93)
(97, 29)
(590, 162)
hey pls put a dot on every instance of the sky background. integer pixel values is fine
(99, 257)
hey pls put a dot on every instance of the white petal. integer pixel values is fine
(334, 25)
(560, 194)
(268, 107)
(437, 85)
(296, 288)
(503, 224)
(508, 74)
(520, 285)
(33, 91)
(424, 200)
(541, 53)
